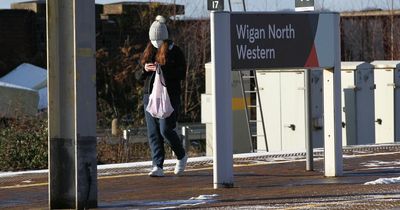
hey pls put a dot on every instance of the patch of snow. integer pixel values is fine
(384, 181)
(193, 201)
(279, 159)
(29, 77)
(381, 168)
(168, 204)
(370, 164)
(19, 173)
(10, 85)
(381, 163)
(349, 156)
(204, 197)
(26, 75)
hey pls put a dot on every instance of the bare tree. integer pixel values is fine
(371, 34)
(119, 93)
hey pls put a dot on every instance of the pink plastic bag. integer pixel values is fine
(159, 103)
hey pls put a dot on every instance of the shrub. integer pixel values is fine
(117, 150)
(23, 144)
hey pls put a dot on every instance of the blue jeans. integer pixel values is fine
(159, 130)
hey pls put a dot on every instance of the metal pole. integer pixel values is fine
(230, 6)
(72, 104)
(308, 118)
(391, 32)
(244, 5)
(222, 99)
(185, 137)
(332, 111)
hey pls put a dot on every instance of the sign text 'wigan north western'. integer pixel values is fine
(269, 40)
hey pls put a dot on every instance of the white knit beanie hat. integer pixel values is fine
(158, 30)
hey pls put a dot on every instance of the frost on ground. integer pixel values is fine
(381, 163)
(193, 201)
(170, 204)
(385, 201)
(204, 197)
(395, 180)
(387, 165)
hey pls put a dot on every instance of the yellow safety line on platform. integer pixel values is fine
(307, 206)
(24, 186)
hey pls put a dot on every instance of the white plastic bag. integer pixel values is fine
(159, 105)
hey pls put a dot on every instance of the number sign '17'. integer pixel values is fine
(217, 5)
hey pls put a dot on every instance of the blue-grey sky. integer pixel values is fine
(198, 8)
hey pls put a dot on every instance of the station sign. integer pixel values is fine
(290, 40)
(304, 5)
(215, 5)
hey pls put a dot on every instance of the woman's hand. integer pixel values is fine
(150, 67)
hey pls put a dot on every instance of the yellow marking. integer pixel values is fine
(122, 176)
(94, 78)
(25, 186)
(84, 52)
(239, 103)
(307, 206)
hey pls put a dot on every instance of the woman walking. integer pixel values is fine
(162, 53)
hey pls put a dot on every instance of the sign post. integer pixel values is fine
(307, 5)
(275, 41)
(222, 97)
(333, 155)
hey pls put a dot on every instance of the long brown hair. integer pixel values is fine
(161, 53)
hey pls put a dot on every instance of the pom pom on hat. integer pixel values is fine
(158, 30)
(161, 19)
